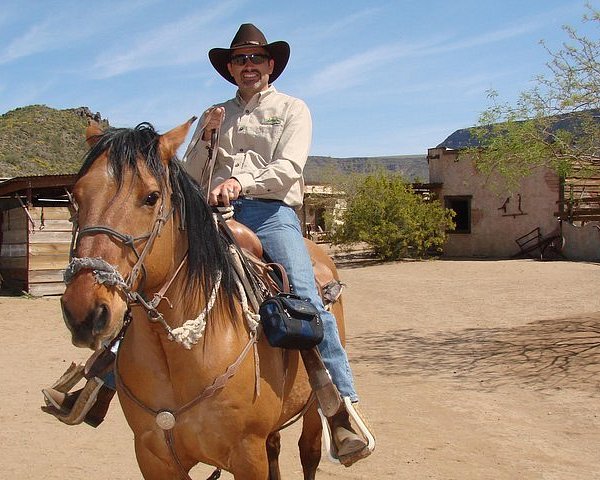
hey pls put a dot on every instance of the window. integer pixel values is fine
(462, 207)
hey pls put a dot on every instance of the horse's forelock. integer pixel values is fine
(125, 147)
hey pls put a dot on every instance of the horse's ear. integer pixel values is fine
(172, 140)
(93, 133)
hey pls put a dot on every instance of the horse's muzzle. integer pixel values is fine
(92, 314)
(93, 324)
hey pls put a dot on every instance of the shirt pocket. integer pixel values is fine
(266, 137)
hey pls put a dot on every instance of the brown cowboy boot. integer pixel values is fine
(350, 447)
(61, 404)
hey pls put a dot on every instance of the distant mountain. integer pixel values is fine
(321, 170)
(39, 140)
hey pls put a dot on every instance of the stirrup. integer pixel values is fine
(84, 403)
(360, 423)
(70, 378)
(85, 400)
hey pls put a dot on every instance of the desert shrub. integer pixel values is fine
(384, 212)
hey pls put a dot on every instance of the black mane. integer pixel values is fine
(207, 254)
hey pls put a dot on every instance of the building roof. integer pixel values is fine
(464, 138)
(47, 185)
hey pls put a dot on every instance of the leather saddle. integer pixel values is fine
(329, 287)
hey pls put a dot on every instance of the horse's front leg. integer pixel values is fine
(154, 459)
(250, 460)
(273, 449)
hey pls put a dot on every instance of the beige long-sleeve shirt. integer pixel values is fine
(264, 144)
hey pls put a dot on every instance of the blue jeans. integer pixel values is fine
(278, 228)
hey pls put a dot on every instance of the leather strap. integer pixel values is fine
(160, 295)
(212, 156)
(212, 152)
(170, 441)
(213, 147)
(210, 390)
(285, 283)
(245, 275)
(218, 384)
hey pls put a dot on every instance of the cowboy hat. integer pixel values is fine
(250, 36)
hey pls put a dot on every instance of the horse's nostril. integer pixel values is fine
(68, 317)
(99, 318)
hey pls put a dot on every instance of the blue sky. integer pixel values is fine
(380, 77)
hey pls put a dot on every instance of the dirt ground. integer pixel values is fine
(466, 370)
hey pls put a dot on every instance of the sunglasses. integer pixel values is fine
(255, 58)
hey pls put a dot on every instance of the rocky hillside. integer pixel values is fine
(323, 170)
(39, 140)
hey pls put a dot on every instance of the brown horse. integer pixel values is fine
(144, 223)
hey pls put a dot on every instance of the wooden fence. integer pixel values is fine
(580, 200)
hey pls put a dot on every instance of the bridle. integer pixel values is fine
(105, 273)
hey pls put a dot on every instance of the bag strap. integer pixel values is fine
(280, 271)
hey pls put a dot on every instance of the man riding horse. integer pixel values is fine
(264, 142)
(265, 139)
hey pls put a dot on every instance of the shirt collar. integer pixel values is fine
(256, 98)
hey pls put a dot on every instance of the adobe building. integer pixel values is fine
(492, 220)
(489, 216)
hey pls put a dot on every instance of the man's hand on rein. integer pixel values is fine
(226, 192)
(213, 117)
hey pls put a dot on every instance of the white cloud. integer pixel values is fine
(320, 31)
(472, 84)
(38, 38)
(359, 69)
(176, 43)
(62, 29)
(362, 67)
(485, 39)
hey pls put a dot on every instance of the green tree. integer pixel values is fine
(383, 212)
(555, 123)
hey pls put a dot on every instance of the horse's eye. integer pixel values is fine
(152, 199)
